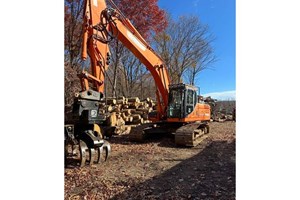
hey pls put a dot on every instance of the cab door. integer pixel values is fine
(190, 101)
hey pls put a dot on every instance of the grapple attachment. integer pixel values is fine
(88, 144)
(94, 155)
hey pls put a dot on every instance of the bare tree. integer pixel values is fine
(205, 61)
(117, 51)
(73, 31)
(126, 73)
(185, 46)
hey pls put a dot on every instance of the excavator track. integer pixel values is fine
(191, 134)
(138, 134)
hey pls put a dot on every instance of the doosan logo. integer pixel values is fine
(136, 41)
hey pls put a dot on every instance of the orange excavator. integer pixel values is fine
(178, 110)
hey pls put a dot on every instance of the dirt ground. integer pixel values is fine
(157, 169)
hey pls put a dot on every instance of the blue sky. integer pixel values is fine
(219, 15)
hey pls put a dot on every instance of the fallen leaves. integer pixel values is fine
(158, 170)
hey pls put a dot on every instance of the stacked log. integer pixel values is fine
(126, 112)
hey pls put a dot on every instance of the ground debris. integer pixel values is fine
(157, 169)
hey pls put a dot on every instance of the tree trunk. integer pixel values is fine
(114, 90)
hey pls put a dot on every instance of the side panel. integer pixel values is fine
(200, 113)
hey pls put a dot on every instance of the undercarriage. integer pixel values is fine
(185, 134)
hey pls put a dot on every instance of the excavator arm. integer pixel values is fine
(96, 46)
(131, 38)
(102, 24)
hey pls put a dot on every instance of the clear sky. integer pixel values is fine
(219, 15)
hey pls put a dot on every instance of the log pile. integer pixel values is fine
(126, 112)
(220, 110)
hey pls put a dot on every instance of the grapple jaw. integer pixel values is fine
(94, 152)
(93, 149)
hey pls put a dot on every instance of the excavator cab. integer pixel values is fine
(182, 100)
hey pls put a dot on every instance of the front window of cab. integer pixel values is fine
(175, 103)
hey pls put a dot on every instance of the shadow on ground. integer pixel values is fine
(207, 175)
(163, 140)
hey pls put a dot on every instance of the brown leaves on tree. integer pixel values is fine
(145, 15)
(71, 85)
